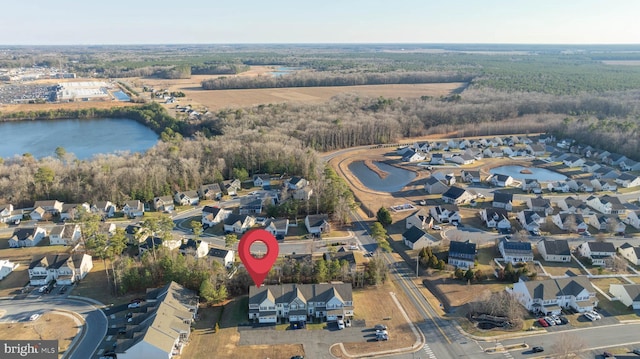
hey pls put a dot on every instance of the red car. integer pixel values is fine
(543, 322)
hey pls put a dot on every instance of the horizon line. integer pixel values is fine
(323, 43)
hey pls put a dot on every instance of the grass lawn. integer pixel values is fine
(558, 269)
(96, 286)
(615, 308)
(204, 341)
(603, 283)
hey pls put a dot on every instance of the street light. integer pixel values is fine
(417, 265)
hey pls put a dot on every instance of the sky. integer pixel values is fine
(83, 22)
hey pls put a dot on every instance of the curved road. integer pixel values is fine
(95, 326)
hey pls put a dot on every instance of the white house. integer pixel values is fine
(434, 186)
(554, 250)
(187, 198)
(531, 221)
(67, 234)
(198, 249)
(631, 253)
(6, 267)
(223, 256)
(27, 237)
(446, 213)
(627, 180)
(210, 191)
(291, 303)
(462, 254)
(296, 183)
(413, 156)
(163, 204)
(503, 200)
(551, 295)
(317, 224)
(53, 207)
(104, 208)
(633, 218)
(501, 180)
(570, 222)
(515, 252)
(211, 216)
(496, 218)
(65, 268)
(262, 180)
(238, 223)
(539, 204)
(457, 195)
(133, 209)
(599, 252)
(416, 238)
(627, 294)
(277, 227)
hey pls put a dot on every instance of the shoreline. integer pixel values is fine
(370, 165)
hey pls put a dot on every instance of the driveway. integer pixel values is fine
(316, 343)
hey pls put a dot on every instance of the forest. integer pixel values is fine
(567, 91)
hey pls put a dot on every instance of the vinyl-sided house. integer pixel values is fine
(73, 210)
(317, 224)
(539, 204)
(503, 200)
(133, 209)
(554, 250)
(606, 204)
(161, 326)
(27, 237)
(262, 180)
(54, 207)
(457, 195)
(435, 186)
(67, 234)
(151, 243)
(462, 254)
(198, 249)
(232, 186)
(631, 253)
(515, 252)
(570, 222)
(446, 213)
(471, 176)
(163, 204)
(211, 216)
(627, 294)
(627, 180)
(223, 256)
(531, 185)
(633, 217)
(416, 238)
(104, 208)
(238, 223)
(300, 302)
(500, 180)
(551, 295)
(210, 191)
(65, 268)
(496, 218)
(277, 227)
(599, 252)
(187, 198)
(531, 221)
(296, 182)
(420, 219)
(6, 267)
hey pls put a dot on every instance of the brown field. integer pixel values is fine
(51, 326)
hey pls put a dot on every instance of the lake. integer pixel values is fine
(284, 70)
(395, 181)
(84, 138)
(540, 174)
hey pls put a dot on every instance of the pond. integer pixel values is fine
(84, 138)
(397, 177)
(540, 174)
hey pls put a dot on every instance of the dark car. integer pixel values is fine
(608, 355)
(380, 327)
(543, 322)
(636, 351)
(537, 349)
(297, 357)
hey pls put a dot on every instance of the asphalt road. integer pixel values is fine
(19, 310)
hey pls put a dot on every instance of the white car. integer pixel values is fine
(133, 305)
(340, 324)
(436, 227)
(595, 314)
(34, 317)
(590, 316)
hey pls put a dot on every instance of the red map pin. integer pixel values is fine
(258, 268)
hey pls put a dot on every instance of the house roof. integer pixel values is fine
(263, 176)
(432, 180)
(218, 252)
(515, 246)
(633, 290)
(211, 209)
(188, 194)
(456, 248)
(294, 180)
(502, 197)
(496, 213)
(189, 244)
(556, 246)
(211, 187)
(21, 234)
(540, 202)
(552, 288)
(51, 261)
(285, 293)
(413, 234)
(233, 218)
(317, 220)
(454, 192)
(501, 178)
(601, 247)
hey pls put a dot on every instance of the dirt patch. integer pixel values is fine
(50, 326)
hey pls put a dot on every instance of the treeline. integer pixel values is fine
(319, 79)
(219, 69)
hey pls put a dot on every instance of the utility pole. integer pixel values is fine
(417, 265)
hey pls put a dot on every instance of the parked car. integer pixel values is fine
(537, 349)
(550, 321)
(595, 314)
(543, 322)
(556, 319)
(590, 316)
(134, 305)
(436, 227)
(608, 355)
(340, 324)
(636, 351)
(382, 337)
(380, 327)
(34, 317)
